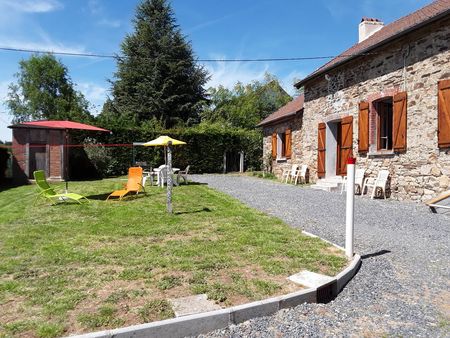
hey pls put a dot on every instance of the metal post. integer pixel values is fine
(169, 177)
(224, 162)
(350, 209)
(241, 162)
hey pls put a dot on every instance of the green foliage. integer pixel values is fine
(158, 77)
(99, 157)
(206, 144)
(156, 309)
(245, 106)
(169, 282)
(44, 90)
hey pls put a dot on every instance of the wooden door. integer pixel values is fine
(344, 144)
(321, 149)
(38, 158)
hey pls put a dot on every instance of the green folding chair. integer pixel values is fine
(47, 192)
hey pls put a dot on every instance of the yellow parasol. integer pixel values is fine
(163, 141)
(167, 142)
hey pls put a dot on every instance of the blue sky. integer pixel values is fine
(216, 28)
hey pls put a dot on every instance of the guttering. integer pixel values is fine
(379, 44)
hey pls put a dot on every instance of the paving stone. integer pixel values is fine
(193, 304)
(310, 279)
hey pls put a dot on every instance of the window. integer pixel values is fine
(281, 145)
(384, 109)
(383, 125)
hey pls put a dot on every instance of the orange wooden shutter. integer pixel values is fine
(288, 143)
(274, 145)
(399, 122)
(346, 144)
(321, 150)
(444, 114)
(363, 127)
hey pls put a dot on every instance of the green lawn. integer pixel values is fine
(69, 269)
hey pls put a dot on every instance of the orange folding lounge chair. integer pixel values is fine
(134, 184)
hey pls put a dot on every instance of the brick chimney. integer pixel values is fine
(369, 26)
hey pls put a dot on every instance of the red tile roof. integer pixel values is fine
(288, 110)
(437, 9)
(58, 125)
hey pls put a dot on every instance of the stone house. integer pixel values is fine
(385, 101)
(281, 131)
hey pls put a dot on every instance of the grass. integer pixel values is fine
(68, 268)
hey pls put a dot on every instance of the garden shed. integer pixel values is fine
(44, 145)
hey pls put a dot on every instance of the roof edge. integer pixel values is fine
(381, 43)
(278, 119)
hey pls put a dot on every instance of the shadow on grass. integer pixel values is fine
(193, 183)
(98, 197)
(193, 211)
(378, 253)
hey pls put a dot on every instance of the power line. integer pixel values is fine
(110, 56)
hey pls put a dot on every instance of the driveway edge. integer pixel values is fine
(196, 324)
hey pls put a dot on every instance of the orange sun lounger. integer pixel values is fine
(134, 184)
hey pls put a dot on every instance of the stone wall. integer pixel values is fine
(295, 124)
(415, 64)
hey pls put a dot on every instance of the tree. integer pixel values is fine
(44, 90)
(157, 77)
(246, 105)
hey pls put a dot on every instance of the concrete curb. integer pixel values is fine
(193, 325)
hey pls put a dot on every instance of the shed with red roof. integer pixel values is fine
(43, 145)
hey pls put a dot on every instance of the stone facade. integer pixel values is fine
(413, 64)
(295, 124)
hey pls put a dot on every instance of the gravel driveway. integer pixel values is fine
(402, 288)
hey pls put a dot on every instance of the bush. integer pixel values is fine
(204, 150)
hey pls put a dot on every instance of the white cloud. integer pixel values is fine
(287, 82)
(33, 6)
(47, 46)
(94, 93)
(228, 74)
(110, 23)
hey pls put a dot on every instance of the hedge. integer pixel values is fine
(203, 152)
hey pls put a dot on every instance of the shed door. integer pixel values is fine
(321, 150)
(38, 158)
(345, 144)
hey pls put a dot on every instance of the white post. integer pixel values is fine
(241, 162)
(169, 177)
(350, 209)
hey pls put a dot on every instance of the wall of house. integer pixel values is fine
(295, 124)
(26, 139)
(414, 64)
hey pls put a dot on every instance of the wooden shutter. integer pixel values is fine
(444, 114)
(321, 150)
(288, 143)
(363, 127)
(399, 122)
(274, 145)
(345, 144)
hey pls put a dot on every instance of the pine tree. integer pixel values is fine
(157, 77)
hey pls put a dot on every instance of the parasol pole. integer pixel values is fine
(66, 160)
(169, 177)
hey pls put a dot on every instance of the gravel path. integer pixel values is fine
(402, 288)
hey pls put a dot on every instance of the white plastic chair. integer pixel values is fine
(183, 174)
(359, 181)
(379, 183)
(300, 175)
(289, 174)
